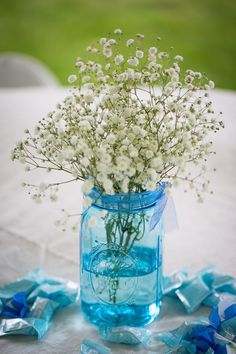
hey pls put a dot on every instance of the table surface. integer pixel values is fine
(29, 238)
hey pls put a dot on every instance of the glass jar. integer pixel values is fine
(121, 258)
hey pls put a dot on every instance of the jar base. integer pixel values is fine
(120, 315)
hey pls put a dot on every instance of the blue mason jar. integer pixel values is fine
(121, 258)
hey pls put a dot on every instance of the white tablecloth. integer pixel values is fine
(29, 239)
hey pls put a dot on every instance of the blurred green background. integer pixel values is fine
(57, 31)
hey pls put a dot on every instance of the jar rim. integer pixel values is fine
(127, 201)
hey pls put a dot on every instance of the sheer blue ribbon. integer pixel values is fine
(164, 208)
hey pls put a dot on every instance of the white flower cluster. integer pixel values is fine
(131, 121)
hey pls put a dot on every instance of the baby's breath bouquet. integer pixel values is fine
(130, 122)
(133, 121)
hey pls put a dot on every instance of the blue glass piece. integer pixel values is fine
(229, 288)
(125, 335)
(173, 282)
(228, 329)
(16, 307)
(1, 306)
(214, 318)
(27, 326)
(9, 290)
(58, 292)
(39, 276)
(174, 337)
(90, 347)
(216, 280)
(230, 312)
(43, 308)
(154, 343)
(212, 300)
(210, 351)
(190, 347)
(193, 294)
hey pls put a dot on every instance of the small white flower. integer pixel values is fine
(85, 79)
(152, 50)
(107, 66)
(89, 96)
(111, 41)
(107, 52)
(125, 185)
(134, 152)
(149, 154)
(140, 35)
(61, 126)
(72, 79)
(102, 41)
(57, 115)
(151, 186)
(74, 140)
(67, 153)
(85, 125)
(85, 162)
(99, 131)
(118, 59)
(111, 138)
(129, 42)
(118, 31)
(211, 84)
(162, 55)
(92, 222)
(131, 171)
(106, 158)
(108, 186)
(133, 61)
(156, 163)
(87, 186)
(139, 53)
(179, 58)
(87, 202)
(140, 166)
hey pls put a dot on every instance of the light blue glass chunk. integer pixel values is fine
(43, 308)
(193, 294)
(9, 290)
(90, 347)
(173, 282)
(60, 293)
(212, 300)
(125, 335)
(215, 280)
(27, 326)
(228, 329)
(229, 288)
(1, 306)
